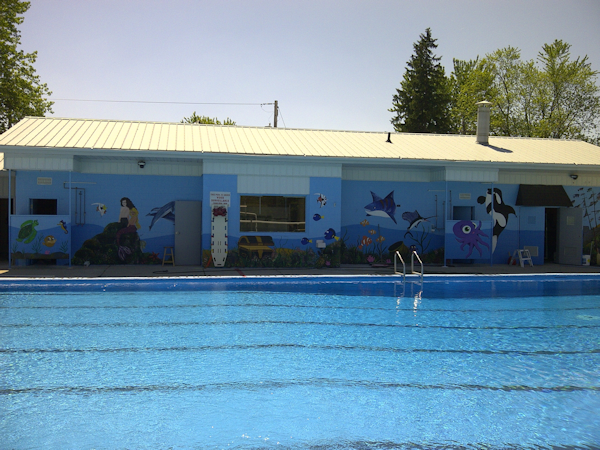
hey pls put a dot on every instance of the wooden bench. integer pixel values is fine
(249, 245)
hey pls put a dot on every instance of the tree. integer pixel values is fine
(21, 92)
(422, 105)
(472, 82)
(556, 98)
(206, 120)
(570, 106)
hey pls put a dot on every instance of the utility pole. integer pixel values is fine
(275, 116)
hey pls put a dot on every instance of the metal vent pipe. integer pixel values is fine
(483, 122)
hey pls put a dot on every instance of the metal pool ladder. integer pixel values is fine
(412, 264)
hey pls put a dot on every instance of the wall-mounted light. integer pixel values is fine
(141, 164)
(574, 176)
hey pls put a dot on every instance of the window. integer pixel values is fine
(42, 206)
(271, 213)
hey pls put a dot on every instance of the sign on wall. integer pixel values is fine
(220, 199)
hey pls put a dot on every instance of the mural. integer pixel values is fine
(119, 242)
(366, 241)
(382, 207)
(321, 200)
(587, 199)
(256, 246)
(336, 232)
(500, 213)
(166, 212)
(468, 239)
(100, 207)
(469, 234)
(128, 218)
(39, 238)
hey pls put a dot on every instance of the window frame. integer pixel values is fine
(261, 217)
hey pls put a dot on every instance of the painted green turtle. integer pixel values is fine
(28, 232)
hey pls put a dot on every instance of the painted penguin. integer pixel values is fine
(499, 214)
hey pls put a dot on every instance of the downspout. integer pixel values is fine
(445, 224)
(9, 216)
(492, 232)
(70, 222)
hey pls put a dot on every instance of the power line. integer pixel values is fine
(156, 102)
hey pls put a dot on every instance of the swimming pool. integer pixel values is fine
(295, 363)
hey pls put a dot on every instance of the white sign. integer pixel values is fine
(220, 199)
(44, 181)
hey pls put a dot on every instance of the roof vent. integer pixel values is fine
(483, 122)
(389, 139)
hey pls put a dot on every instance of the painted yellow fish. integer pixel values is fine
(49, 241)
(364, 223)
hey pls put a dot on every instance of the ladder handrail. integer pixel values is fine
(397, 254)
(414, 253)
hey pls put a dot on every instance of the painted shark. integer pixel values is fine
(382, 207)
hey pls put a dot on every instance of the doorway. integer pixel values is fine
(4, 227)
(563, 236)
(550, 235)
(188, 233)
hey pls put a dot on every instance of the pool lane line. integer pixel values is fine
(314, 382)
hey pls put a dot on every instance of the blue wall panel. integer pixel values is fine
(97, 200)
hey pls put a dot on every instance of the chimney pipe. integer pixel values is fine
(483, 122)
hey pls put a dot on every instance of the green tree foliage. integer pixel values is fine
(569, 104)
(556, 98)
(422, 104)
(472, 81)
(194, 118)
(21, 93)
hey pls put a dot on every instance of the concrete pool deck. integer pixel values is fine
(158, 271)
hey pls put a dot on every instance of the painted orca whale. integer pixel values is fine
(499, 214)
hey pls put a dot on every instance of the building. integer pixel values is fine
(112, 192)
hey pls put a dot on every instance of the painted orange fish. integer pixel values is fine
(49, 241)
(364, 223)
(372, 231)
(366, 240)
(380, 239)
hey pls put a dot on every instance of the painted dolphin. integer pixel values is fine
(499, 214)
(382, 207)
(165, 212)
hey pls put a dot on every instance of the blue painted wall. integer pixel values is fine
(372, 226)
(146, 193)
(368, 217)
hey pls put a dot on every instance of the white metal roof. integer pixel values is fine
(85, 136)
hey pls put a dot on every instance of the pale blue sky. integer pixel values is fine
(331, 64)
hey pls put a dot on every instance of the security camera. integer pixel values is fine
(142, 164)
(574, 176)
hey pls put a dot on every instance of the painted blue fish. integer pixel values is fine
(165, 212)
(330, 234)
(382, 207)
(305, 241)
(317, 217)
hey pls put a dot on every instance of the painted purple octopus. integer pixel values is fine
(467, 233)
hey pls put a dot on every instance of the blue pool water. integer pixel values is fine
(340, 363)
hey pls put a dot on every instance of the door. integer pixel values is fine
(188, 233)
(570, 236)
